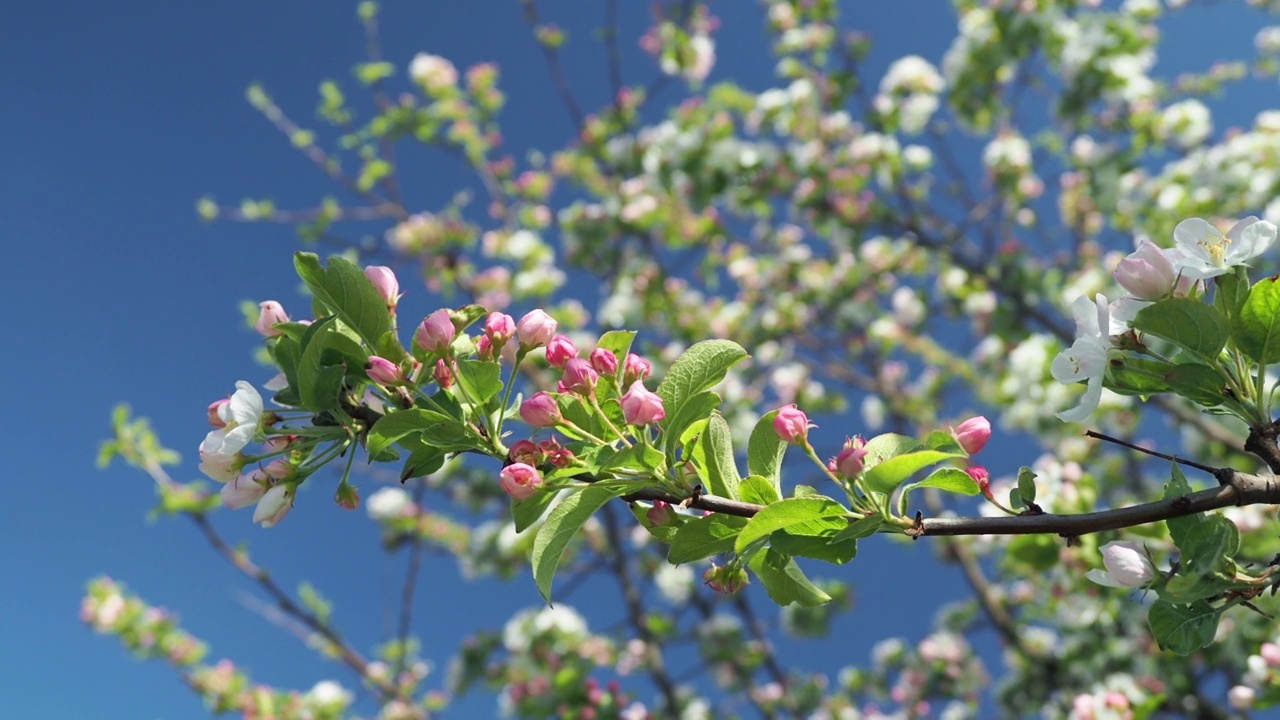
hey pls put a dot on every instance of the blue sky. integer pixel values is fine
(117, 118)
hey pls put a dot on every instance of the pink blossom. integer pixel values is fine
(520, 480)
(384, 281)
(560, 351)
(641, 407)
(792, 425)
(982, 478)
(383, 371)
(636, 368)
(499, 328)
(245, 490)
(215, 420)
(525, 451)
(536, 329)
(436, 332)
(972, 434)
(579, 377)
(604, 361)
(849, 462)
(661, 513)
(541, 410)
(443, 374)
(1147, 273)
(270, 314)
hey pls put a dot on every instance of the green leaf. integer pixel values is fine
(1134, 375)
(784, 581)
(1026, 485)
(637, 458)
(722, 472)
(765, 450)
(1181, 528)
(943, 441)
(1185, 588)
(888, 475)
(673, 428)
(1190, 324)
(560, 527)
(395, 426)
(422, 461)
(344, 289)
(826, 549)
(1039, 552)
(798, 516)
(1183, 629)
(1230, 292)
(883, 447)
(698, 369)
(864, 527)
(948, 480)
(482, 381)
(703, 537)
(1198, 383)
(318, 382)
(1256, 330)
(758, 490)
(526, 512)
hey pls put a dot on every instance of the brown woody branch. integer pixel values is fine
(1235, 488)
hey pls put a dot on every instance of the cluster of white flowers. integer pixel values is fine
(560, 621)
(1185, 124)
(909, 91)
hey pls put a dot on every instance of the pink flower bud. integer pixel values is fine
(383, 371)
(525, 451)
(499, 328)
(270, 313)
(519, 480)
(1147, 273)
(604, 362)
(727, 579)
(278, 469)
(560, 351)
(792, 425)
(347, 497)
(983, 479)
(536, 329)
(384, 281)
(436, 332)
(579, 377)
(244, 490)
(636, 368)
(661, 513)
(541, 410)
(214, 419)
(484, 348)
(1127, 564)
(443, 374)
(274, 505)
(641, 407)
(556, 454)
(848, 464)
(1270, 652)
(973, 434)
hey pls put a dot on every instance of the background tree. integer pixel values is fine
(884, 243)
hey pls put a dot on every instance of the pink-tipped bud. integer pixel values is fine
(983, 479)
(270, 314)
(347, 497)
(560, 351)
(1147, 273)
(278, 469)
(661, 513)
(245, 490)
(849, 462)
(604, 362)
(384, 281)
(525, 451)
(541, 410)
(536, 329)
(728, 579)
(519, 480)
(443, 374)
(383, 371)
(641, 407)
(636, 368)
(499, 328)
(435, 333)
(484, 348)
(792, 425)
(579, 377)
(214, 419)
(274, 505)
(223, 468)
(973, 434)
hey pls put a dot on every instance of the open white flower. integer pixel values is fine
(1086, 359)
(1201, 252)
(1127, 566)
(242, 416)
